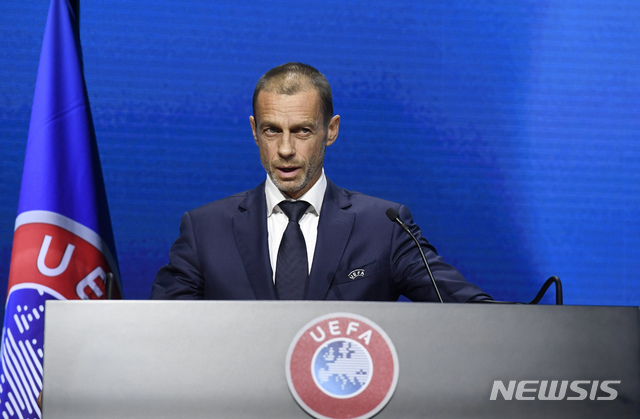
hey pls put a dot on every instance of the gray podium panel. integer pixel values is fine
(141, 359)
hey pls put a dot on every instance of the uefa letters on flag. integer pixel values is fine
(63, 245)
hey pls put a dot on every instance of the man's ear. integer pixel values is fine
(252, 121)
(332, 131)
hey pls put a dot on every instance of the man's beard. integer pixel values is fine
(291, 187)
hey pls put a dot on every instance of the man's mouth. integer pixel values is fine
(287, 172)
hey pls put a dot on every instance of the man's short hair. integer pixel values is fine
(291, 78)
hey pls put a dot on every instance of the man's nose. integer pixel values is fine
(286, 146)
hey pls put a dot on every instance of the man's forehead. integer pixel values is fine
(302, 104)
(275, 92)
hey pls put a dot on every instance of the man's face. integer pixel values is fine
(291, 136)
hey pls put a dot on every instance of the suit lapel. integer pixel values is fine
(334, 229)
(250, 228)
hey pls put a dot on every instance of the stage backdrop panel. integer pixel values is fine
(510, 129)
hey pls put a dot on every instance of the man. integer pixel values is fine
(340, 245)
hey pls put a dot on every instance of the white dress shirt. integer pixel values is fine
(277, 220)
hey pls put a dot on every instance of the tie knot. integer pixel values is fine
(294, 210)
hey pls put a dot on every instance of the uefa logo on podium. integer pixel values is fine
(342, 365)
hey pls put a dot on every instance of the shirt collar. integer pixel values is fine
(314, 196)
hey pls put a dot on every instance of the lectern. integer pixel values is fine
(142, 359)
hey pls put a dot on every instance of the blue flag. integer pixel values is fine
(63, 245)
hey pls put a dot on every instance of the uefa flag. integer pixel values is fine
(63, 245)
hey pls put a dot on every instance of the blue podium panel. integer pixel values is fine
(140, 359)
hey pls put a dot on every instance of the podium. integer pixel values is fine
(223, 359)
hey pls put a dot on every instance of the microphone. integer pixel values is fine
(395, 217)
(110, 282)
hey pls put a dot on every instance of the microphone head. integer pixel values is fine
(392, 214)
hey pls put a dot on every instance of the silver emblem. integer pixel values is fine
(356, 273)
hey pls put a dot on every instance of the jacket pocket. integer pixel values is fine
(356, 273)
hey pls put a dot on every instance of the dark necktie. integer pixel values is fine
(292, 267)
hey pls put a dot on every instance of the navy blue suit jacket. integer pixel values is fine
(222, 254)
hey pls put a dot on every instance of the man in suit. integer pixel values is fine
(340, 245)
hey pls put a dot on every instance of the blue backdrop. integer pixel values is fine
(511, 129)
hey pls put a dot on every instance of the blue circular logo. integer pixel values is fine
(342, 367)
